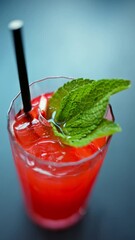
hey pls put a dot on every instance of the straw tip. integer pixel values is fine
(15, 24)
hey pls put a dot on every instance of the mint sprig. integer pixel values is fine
(80, 107)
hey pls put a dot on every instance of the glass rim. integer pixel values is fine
(42, 161)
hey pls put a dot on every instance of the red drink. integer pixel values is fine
(56, 179)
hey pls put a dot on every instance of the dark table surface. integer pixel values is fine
(92, 39)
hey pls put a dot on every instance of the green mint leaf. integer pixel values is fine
(105, 128)
(86, 121)
(62, 92)
(80, 107)
(84, 97)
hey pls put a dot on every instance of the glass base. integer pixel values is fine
(58, 224)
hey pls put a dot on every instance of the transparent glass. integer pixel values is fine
(55, 194)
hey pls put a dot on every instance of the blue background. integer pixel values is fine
(91, 39)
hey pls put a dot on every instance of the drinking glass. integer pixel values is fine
(55, 194)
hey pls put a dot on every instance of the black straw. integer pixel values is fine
(16, 28)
